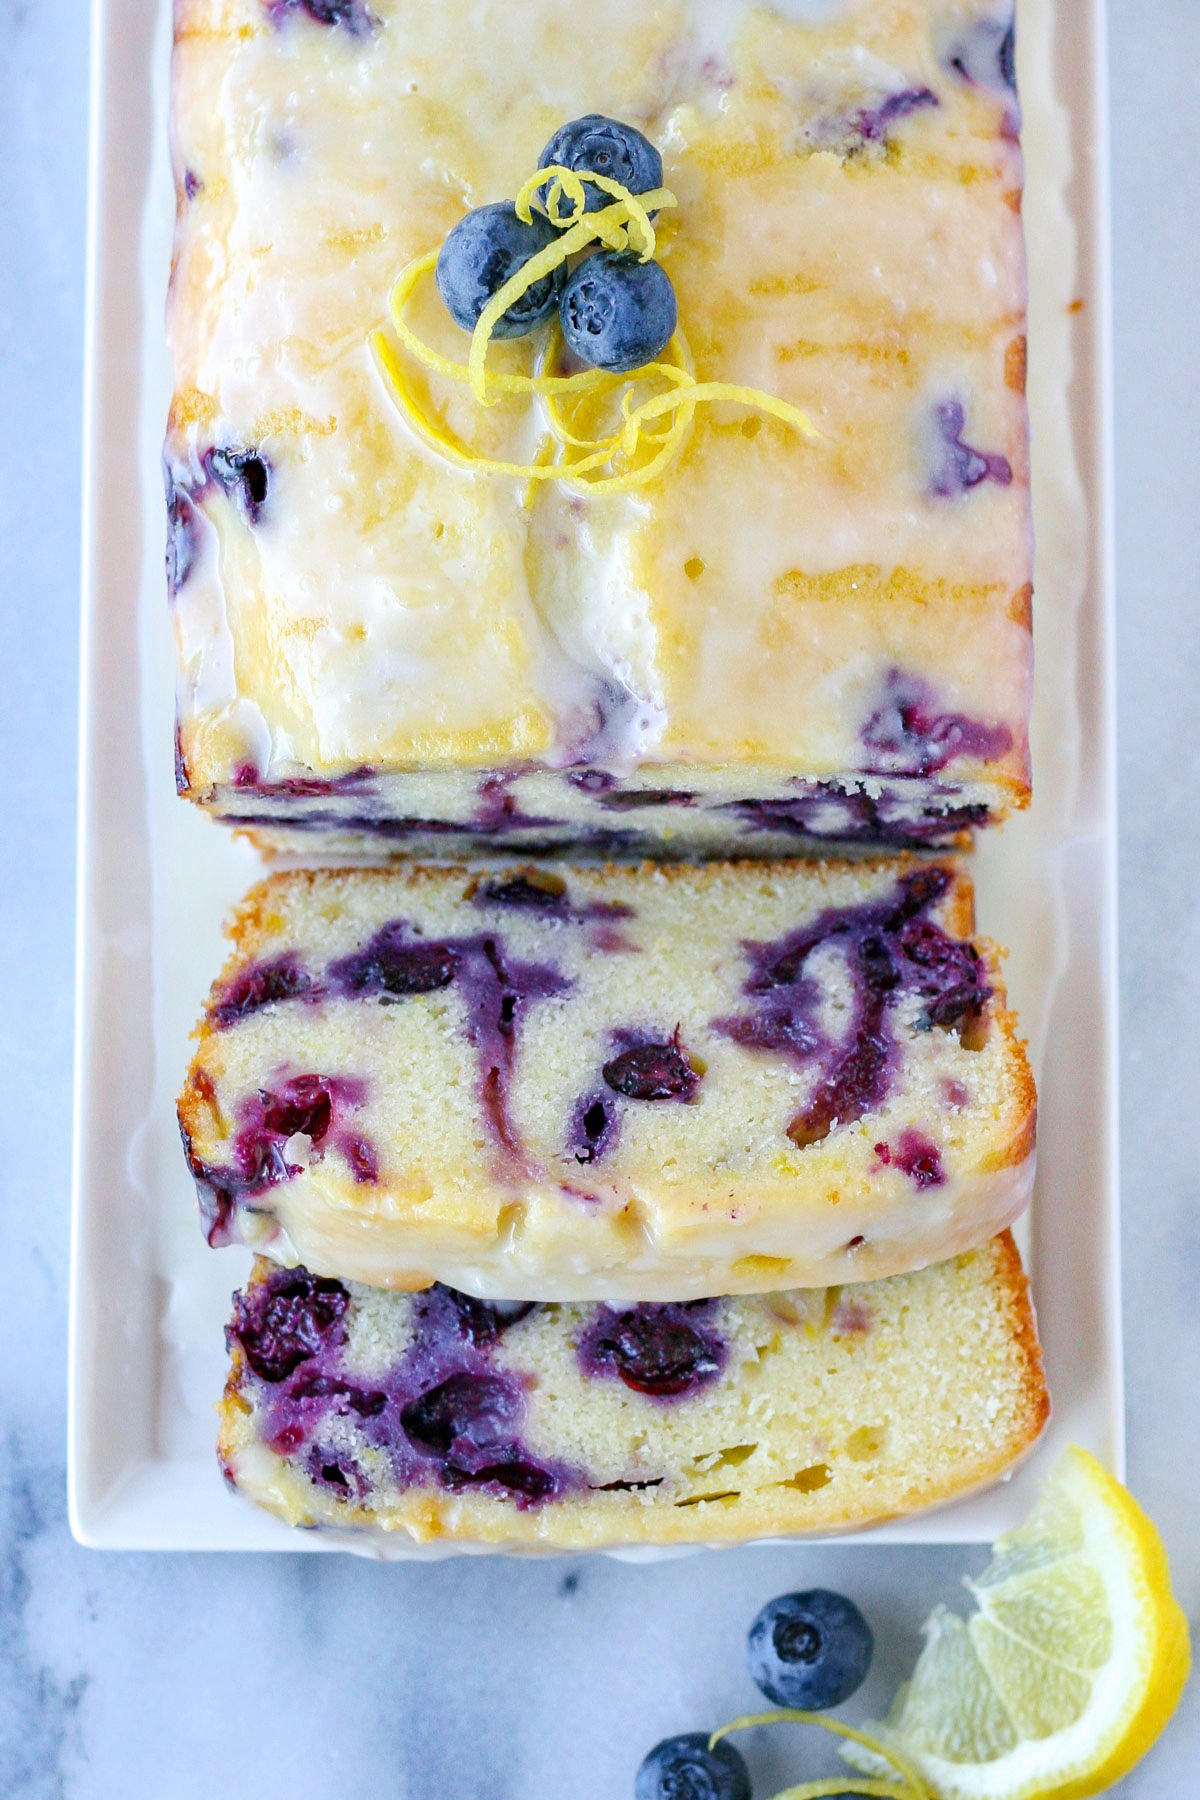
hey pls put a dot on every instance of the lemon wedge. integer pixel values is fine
(1067, 1672)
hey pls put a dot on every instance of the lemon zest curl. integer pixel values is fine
(621, 461)
(910, 1786)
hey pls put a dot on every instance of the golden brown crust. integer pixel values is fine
(1021, 609)
(1023, 1323)
(1015, 358)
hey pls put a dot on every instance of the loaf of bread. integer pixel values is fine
(653, 1082)
(780, 641)
(574, 1426)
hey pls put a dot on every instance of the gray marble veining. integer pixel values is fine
(492, 1680)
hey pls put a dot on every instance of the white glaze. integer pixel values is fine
(391, 609)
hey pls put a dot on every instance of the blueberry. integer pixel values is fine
(286, 1319)
(810, 1650)
(393, 966)
(684, 1768)
(305, 1105)
(652, 1072)
(537, 891)
(618, 313)
(245, 475)
(352, 14)
(183, 534)
(516, 1475)
(262, 984)
(478, 257)
(654, 1349)
(958, 466)
(483, 1321)
(605, 147)
(464, 1413)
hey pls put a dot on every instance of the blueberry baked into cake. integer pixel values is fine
(586, 1426)
(754, 578)
(653, 1082)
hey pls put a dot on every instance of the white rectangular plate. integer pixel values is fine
(148, 1299)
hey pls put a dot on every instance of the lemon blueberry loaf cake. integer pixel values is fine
(785, 602)
(575, 1426)
(659, 1081)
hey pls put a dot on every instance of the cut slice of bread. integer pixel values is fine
(653, 1083)
(574, 1426)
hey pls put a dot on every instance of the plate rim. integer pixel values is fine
(117, 1521)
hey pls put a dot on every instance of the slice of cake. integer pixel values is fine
(781, 639)
(655, 1082)
(574, 1426)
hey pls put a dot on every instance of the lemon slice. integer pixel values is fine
(1068, 1671)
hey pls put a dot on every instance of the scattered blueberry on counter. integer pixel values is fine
(807, 1651)
(684, 1768)
(810, 1650)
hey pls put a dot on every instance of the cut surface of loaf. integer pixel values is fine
(572, 1083)
(578, 1426)
(780, 639)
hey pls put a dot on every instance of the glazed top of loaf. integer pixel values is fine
(848, 237)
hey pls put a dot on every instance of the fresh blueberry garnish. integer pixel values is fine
(286, 1319)
(684, 1768)
(605, 147)
(657, 1350)
(810, 1650)
(653, 1072)
(245, 475)
(481, 253)
(617, 313)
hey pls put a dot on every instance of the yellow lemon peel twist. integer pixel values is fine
(620, 461)
(910, 1786)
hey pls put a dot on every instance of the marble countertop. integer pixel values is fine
(494, 1680)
